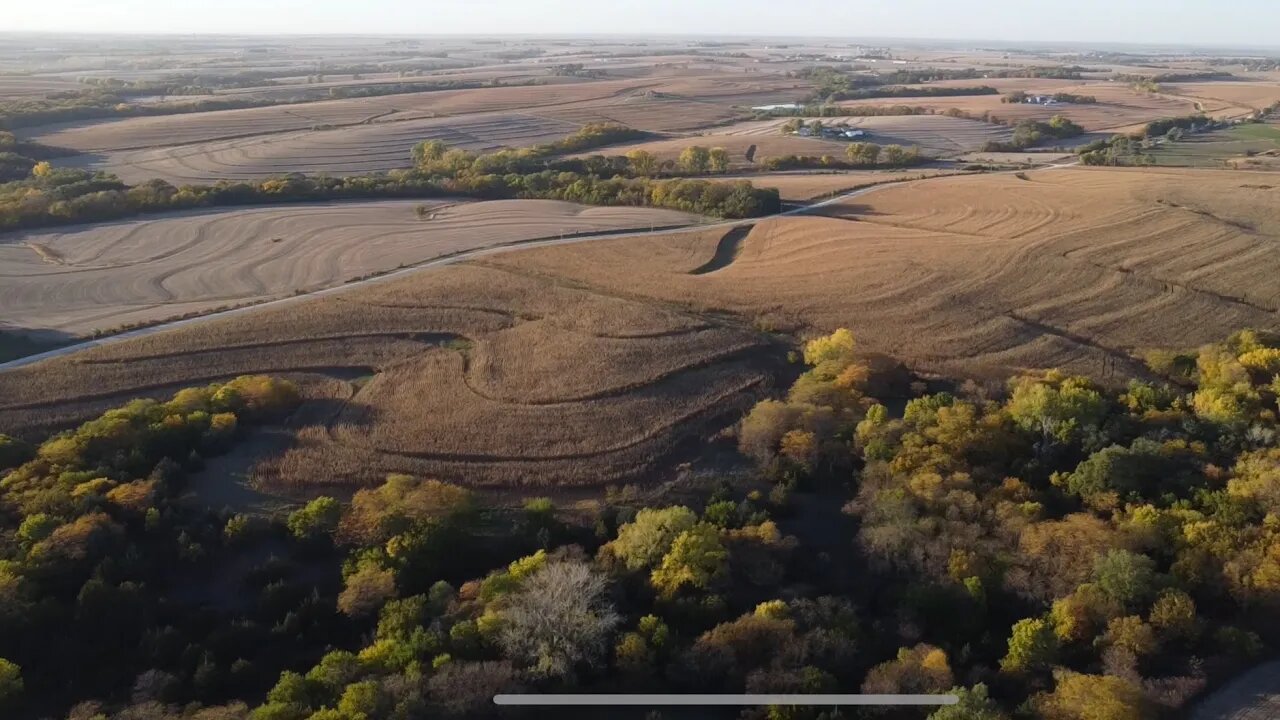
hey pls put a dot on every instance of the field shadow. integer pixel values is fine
(225, 482)
(19, 342)
(726, 250)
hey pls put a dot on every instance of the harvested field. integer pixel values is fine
(1118, 108)
(551, 383)
(937, 135)
(645, 103)
(102, 276)
(643, 111)
(589, 363)
(29, 86)
(803, 186)
(983, 275)
(1251, 95)
(146, 132)
(360, 149)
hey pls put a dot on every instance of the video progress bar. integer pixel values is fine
(627, 699)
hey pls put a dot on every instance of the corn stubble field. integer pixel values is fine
(97, 277)
(589, 363)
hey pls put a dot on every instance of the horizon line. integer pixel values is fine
(1199, 44)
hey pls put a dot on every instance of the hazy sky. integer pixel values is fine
(1239, 22)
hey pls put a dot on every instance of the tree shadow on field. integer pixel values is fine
(844, 211)
(225, 482)
(19, 342)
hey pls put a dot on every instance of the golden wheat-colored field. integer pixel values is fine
(984, 275)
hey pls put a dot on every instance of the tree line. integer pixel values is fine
(19, 157)
(858, 155)
(58, 196)
(1020, 96)
(1129, 149)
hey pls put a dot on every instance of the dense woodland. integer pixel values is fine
(1048, 549)
(52, 196)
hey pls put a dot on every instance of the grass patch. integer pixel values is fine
(1220, 147)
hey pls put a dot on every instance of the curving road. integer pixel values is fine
(460, 257)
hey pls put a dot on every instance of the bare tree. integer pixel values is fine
(463, 689)
(559, 618)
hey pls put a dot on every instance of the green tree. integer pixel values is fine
(318, 517)
(362, 700)
(10, 682)
(974, 704)
(642, 542)
(1126, 577)
(1056, 407)
(1032, 646)
(697, 560)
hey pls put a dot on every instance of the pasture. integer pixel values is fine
(1254, 146)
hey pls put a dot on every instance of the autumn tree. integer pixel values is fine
(697, 560)
(428, 152)
(366, 589)
(1093, 697)
(1032, 646)
(863, 153)
(642, 162)
(643, 542)
(920, 669)
(718, 160)
(695, 159)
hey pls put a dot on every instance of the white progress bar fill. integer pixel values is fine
(669, 699)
